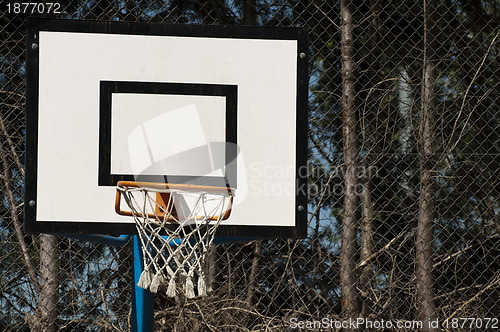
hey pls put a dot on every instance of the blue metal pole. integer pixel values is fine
(142, 299)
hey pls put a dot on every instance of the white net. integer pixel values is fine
(176, 228)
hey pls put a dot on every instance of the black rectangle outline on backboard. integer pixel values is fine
(301, 135)
(31, 140)
(161, 29)
(33, 28)
(229, 92)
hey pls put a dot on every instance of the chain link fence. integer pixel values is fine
(404, 181)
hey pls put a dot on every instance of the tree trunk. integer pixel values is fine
(372, 142)
(249, 12)
(405, 101)
(13, 210)
(366, 246)
(125, 264)
(213, 267)
(348, 246)
(424, 235)
(47, 299)
(254, 271)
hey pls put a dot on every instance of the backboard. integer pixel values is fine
(203, 105)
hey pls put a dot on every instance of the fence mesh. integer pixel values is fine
(421, 155)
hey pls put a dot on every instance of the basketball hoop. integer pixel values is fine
(176, 224)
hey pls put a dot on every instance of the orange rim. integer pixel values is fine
(163, 186)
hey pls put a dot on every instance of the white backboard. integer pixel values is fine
(210, 105)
